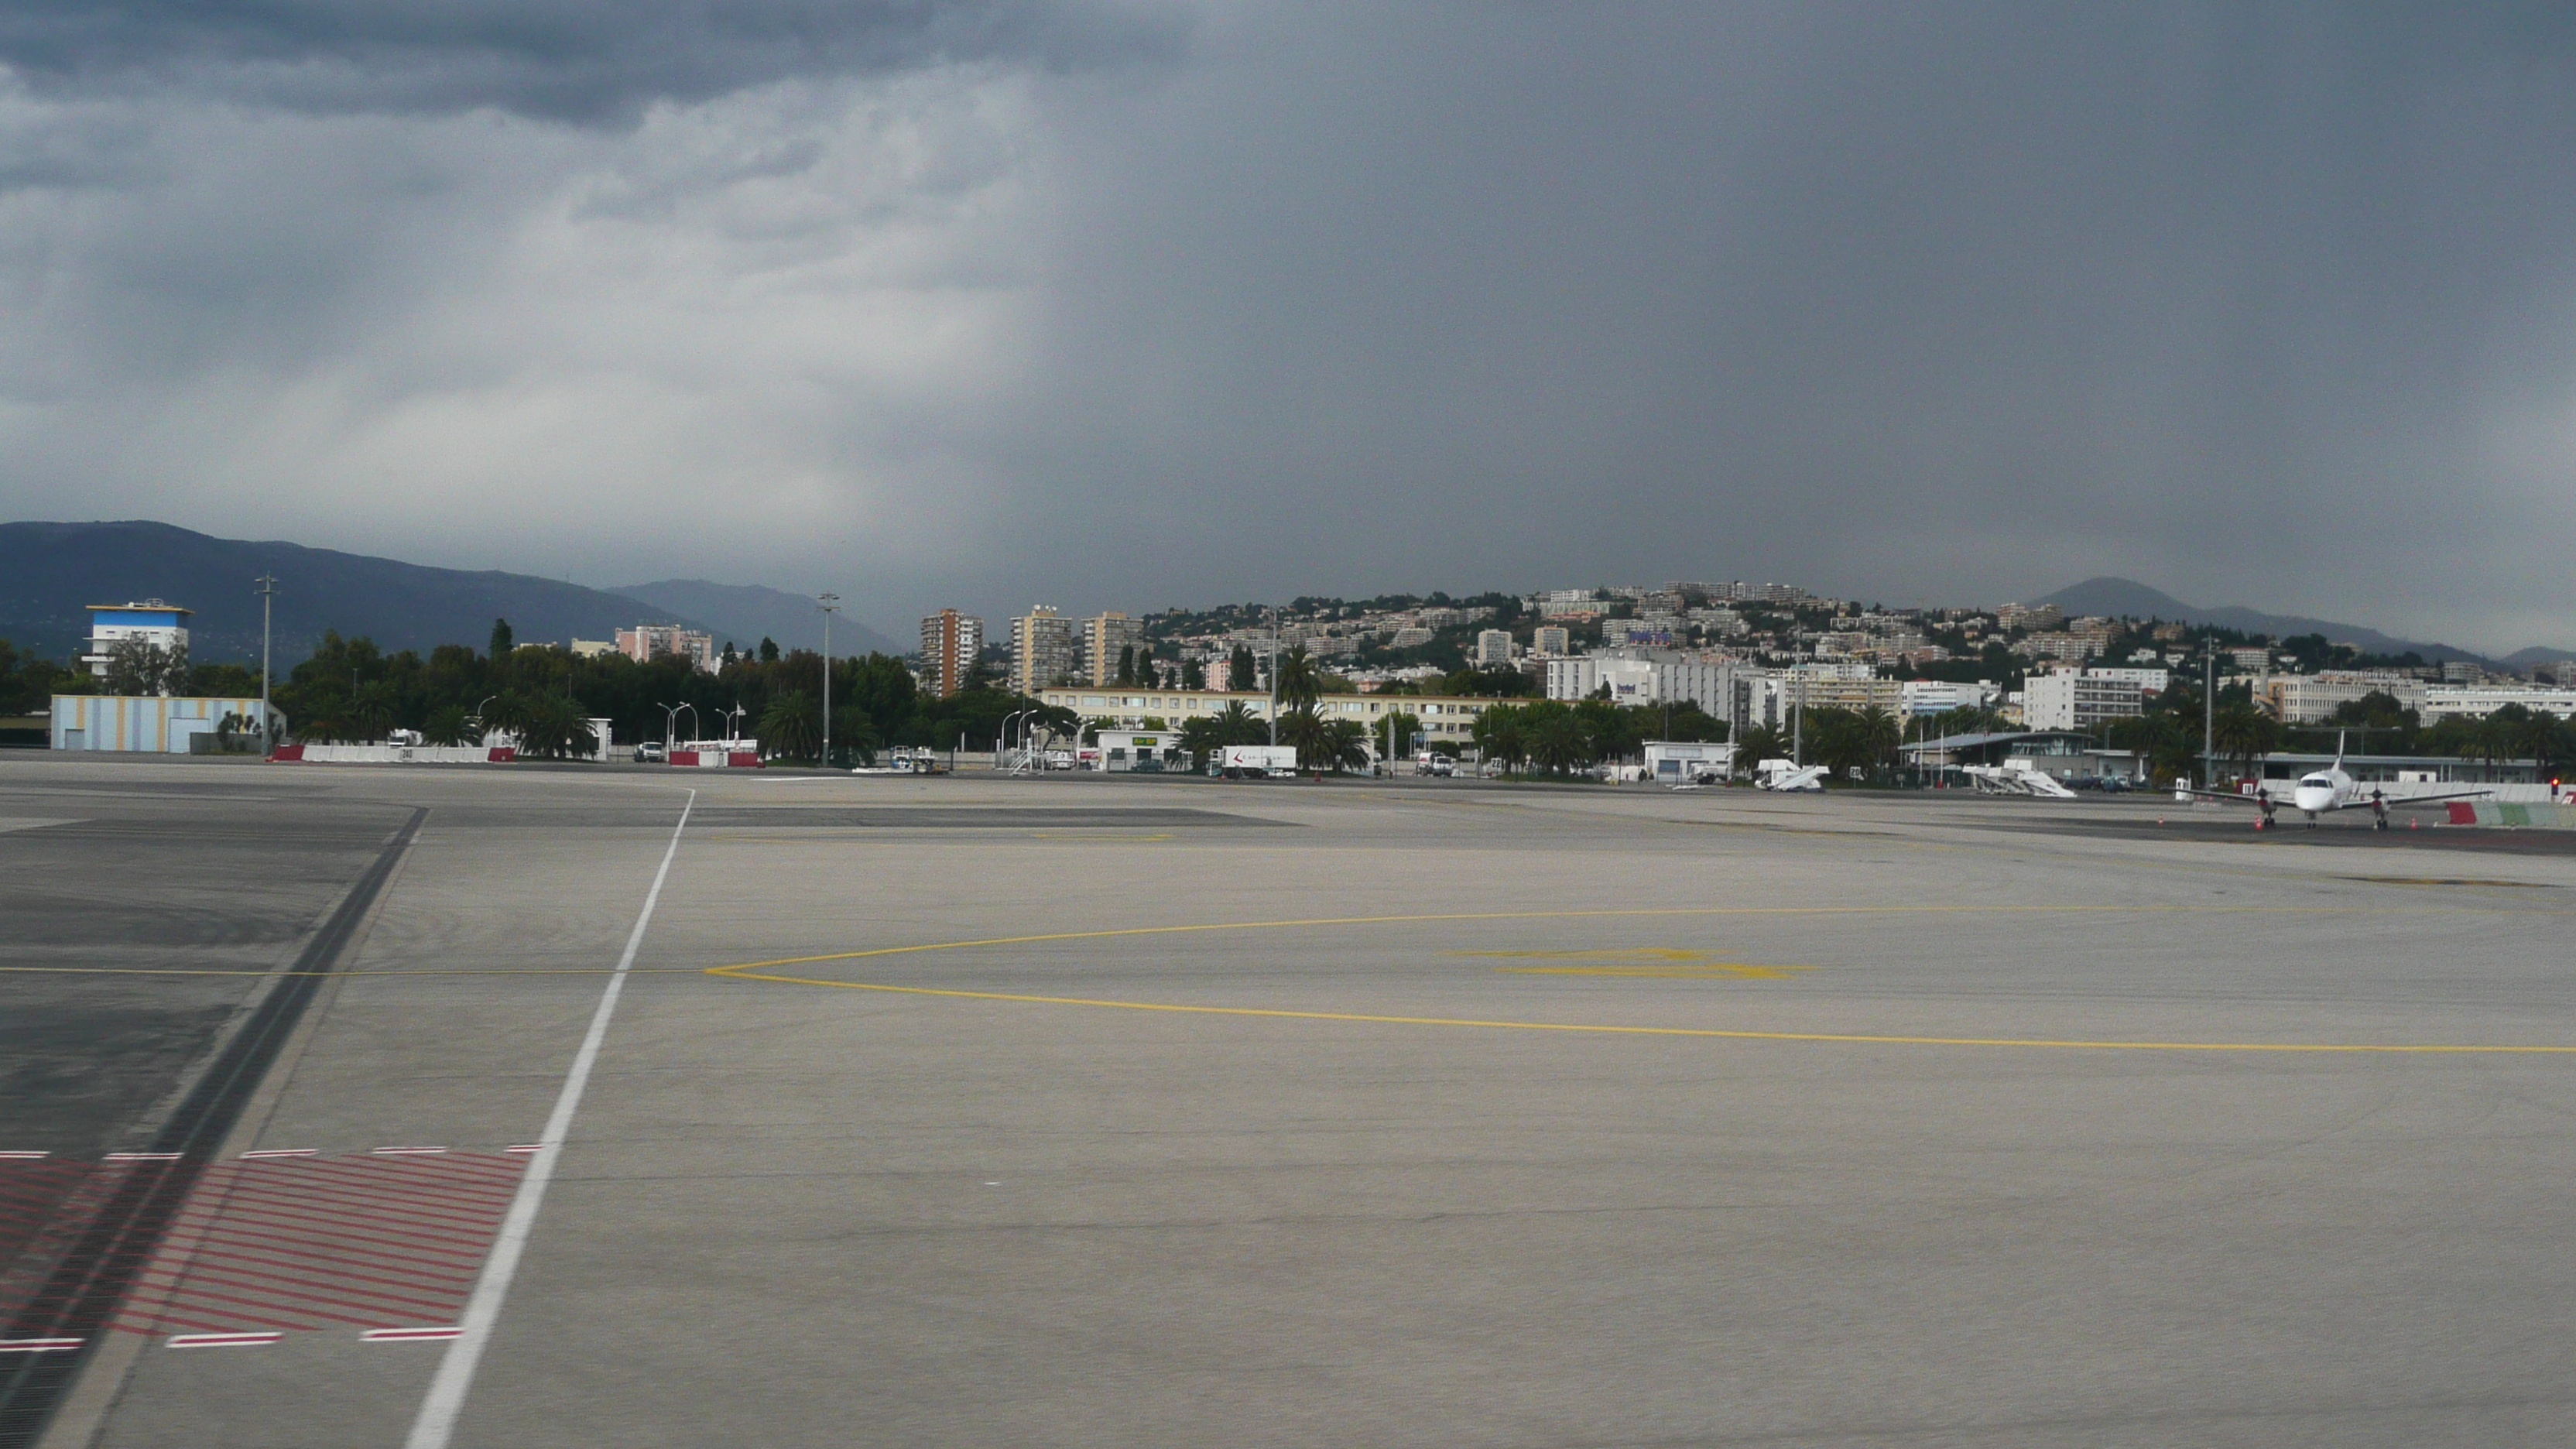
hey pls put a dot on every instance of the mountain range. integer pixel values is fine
(51, 572)
(2127, 597)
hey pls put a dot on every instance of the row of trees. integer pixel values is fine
(134, 666)
(351, 690)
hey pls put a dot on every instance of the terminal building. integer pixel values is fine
(1444, 719)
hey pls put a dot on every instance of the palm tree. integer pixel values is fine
(792, 727)
(552, 728)
(1878, 734)
(1499, 736)
(447, 725)
(1301, 682)
(2244, 733)
(371, 708)
(1306, 730)
(1345, 746)
(506, 712)
(1558, 743)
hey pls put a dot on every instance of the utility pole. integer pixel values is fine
(828, 603)
(1274, 675)
(267, 592)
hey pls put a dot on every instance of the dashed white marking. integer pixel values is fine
(38, 1345)
(285, 1152)
(525, 1147)
(405, 1151)
(408, 1335)
(225, 1340)
(24, 1156)
(143, 1157)
(439, 1408)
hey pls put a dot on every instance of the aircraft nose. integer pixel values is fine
(2316, 799)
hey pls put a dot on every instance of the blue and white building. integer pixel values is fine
(151, 621)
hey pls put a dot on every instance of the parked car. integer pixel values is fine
(649, 753)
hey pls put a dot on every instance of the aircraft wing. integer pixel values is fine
(2404, 802)
(2230, 796)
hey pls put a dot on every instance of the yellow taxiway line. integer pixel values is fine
(760, 971)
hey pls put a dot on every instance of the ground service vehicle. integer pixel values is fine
(1256, 762)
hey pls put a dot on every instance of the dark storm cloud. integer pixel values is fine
(965, 304)
(576, 60)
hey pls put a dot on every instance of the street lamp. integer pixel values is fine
(1003, 744)
(480, 733)
(671, 724)
(828, 603)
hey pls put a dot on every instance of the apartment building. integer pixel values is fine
(949, 643)
(647, 642)
(1097, 648)
(2072, 700)
(2476, 701)
(1042, 649)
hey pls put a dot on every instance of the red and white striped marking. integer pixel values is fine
(143, 1157)
(38, 1345)
(407, 1151)
(409, 1335)
(285, 1152)
(224, 1340)
(24, 1156)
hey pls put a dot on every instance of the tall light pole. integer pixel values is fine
(267, 592)
(1274, 676)
(2208, 714)
(828, 603)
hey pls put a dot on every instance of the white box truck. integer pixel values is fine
(1256, 762)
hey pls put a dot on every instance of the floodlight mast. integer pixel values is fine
(267, 592)
(828, 603)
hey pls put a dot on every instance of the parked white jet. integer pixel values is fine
(1787, 775)
(2328, 789)
(2015, 777)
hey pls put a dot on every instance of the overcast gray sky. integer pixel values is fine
(1146, 302)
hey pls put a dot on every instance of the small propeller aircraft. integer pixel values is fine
(2320, 791)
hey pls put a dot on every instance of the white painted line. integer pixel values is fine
(285, 1152)
(525, 1147)
(445, 1400)
(404, 1151)
(23, 1156)
(225, 1340)
(38, 1345)
(408, 1335)
(143, 1157)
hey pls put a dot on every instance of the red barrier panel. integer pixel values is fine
(684, 757)
(743, 760)
(287, 754)
(504, 754)
(2463, 813)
